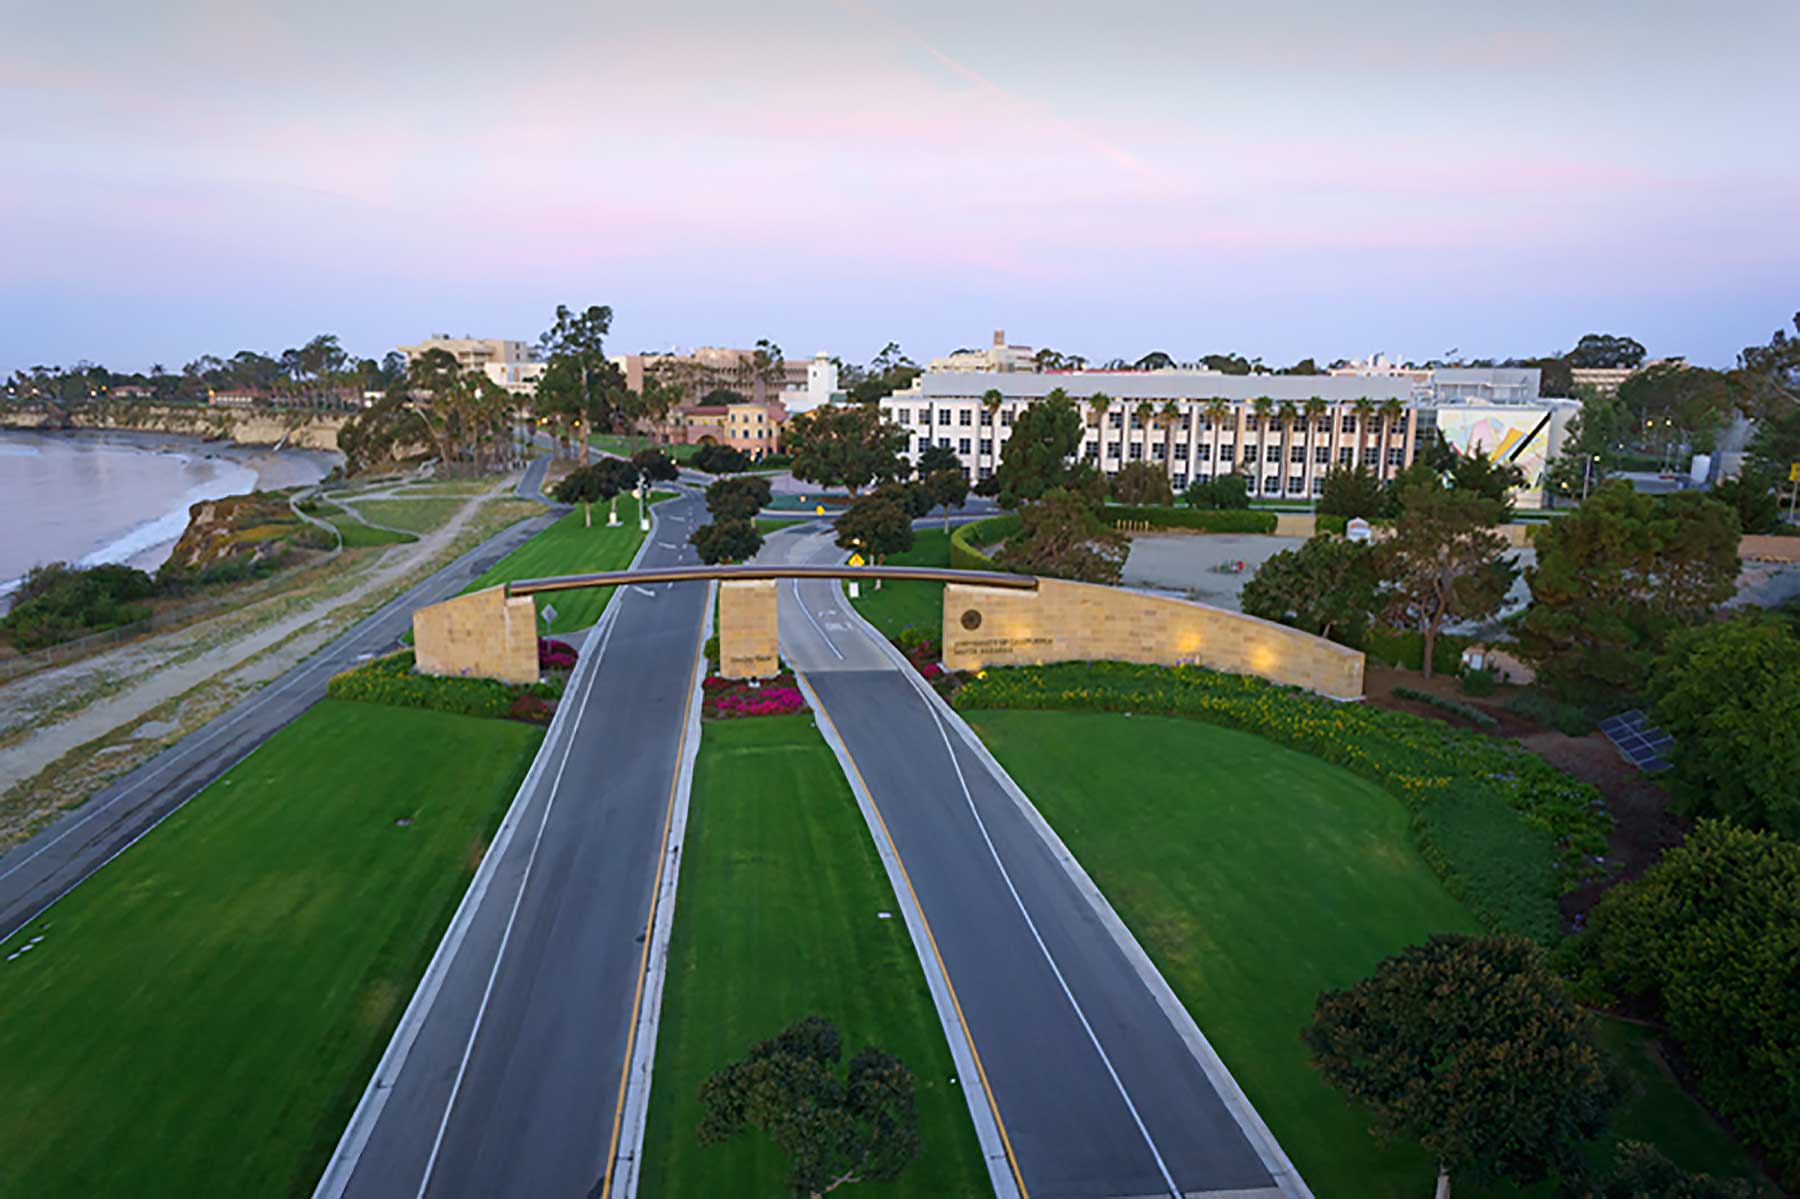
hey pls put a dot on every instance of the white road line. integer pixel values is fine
(487, 992)
(643, 590)
(829, 644)
(1131, 1107)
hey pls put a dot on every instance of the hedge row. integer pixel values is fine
(1206, 520)
(391, 681)
(1507, 832)
(964, 542)
(1455, 707)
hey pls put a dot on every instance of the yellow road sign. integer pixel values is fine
(820, 510)
(1794, 472)
(857, 560)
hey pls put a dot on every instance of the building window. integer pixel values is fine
(1181, 449)
(924, 444)
(944, 442)
(965, 416)
(1324, 426)
(1322, 454)
(1203, 452)
(1090, 450)
(1295, 484)
(1296, 453)
(1370, 455)
(1345, 454)
(962, 445)
(1226, 455)
(987, 472)
(1396, 456)
(1006, 417)
(1272, 485)
(1318, 487)
(1116, 420)
(1203, 477)
(1137, 450)
(1349, 425)
(943, 416)
(1112, 450)
(1271, 453)
(987, 445)
(987, 418)
(1179, 483)
(905, 415)
(1156, 451)
(1135, 422)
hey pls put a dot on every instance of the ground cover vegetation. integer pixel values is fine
(903, 604)
(1507, 832)
(570, 547)
(395, 681)
(773, 817)
(732, 699)
(210, 1005)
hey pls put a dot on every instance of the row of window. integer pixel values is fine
(1116, 420)
(1371, 455)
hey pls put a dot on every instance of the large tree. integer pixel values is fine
(1142, 483)
(602, 480)
(1351, 491)
(1615, 577)
(948, 489)
(737, 499)
(1444, 562)
(846, 445)
(1325, 587)
(1729, 694)
(1675, 402)
(1468, 1046)
(1061, 536)
(875, 526)
(1589, 449)
(935, 458)
(834, 1129)
(1605, 350)
(585, 386)
(730, 540)
(1709, 936)
(1039, 454)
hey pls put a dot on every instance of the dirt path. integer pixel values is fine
(47, 715)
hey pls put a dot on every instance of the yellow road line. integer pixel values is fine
(930, 937)
(662, 858)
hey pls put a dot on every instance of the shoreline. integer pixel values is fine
(271, 470)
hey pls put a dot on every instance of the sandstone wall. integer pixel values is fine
(483, 634)
(748, 645)
(1075, 622)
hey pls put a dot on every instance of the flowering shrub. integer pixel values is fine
(727, 699)
(392, 681)
(555, 655)
(1505, 830)
(526, 706)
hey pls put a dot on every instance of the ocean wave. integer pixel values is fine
(231, 479)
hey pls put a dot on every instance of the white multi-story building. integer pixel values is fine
(472, 353)
(1283, 432)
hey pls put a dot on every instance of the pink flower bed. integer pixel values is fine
(555, 655)
(729, 699)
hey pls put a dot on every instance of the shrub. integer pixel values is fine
(1142, 483)
(719, 460)
(1227, 491)
(731, 699)
(1478, 682)
(526, 706)
(1571, 720)
(1711, 935)
(726, 541)
(555, 655)
(1406, 648)
(391, 681)
(1455, 707)
(965, 542)
(58, 603)
(1554, 825)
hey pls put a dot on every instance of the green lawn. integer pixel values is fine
(418, 516)
(614, 443)
(776, 920)
(769, 524)
(895, 605)
(1255, 877)
(203, 1014)
(571, 547)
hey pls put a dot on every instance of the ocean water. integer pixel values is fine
(88, 500)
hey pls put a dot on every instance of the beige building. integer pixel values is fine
(473, 353)
(754, 428)
(997, 357)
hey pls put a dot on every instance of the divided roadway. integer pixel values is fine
(1094, 1089)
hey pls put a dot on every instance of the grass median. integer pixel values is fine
(569, 547)
(898, 603)
(201, 1016)
(779, 917)
(1255, 877)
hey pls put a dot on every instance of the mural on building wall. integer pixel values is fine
(1499, 435)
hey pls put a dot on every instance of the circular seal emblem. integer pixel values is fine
(971, 619)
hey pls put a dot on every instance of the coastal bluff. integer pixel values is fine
(249, 426)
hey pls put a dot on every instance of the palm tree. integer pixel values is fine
(1170, 416)
(1218, 409)
(991, 399)
(1287, 414)
(1145, 412)
(1365, 411)
(1391, 412)
(1316, 409)
(1098, 403)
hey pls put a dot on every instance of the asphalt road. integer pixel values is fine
(1096, 1089)
(38, 872)
(512, 1087)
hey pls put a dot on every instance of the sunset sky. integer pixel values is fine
(1278, 179)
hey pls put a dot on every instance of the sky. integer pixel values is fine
(1283, 179)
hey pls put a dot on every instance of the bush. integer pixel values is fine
(391, 681)
(965, 553)
(526, 706)
(726, 541)
(1710, 935)
(1225, 492)
(1205, 520)
(1571, 720)
(58, 603)
(555, 655)
(719, 460)
(1455, 707)
(1541, 828)
(1142, 483)
(1478, 682)
(1406, 648)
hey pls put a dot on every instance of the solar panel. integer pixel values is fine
(1638, 742)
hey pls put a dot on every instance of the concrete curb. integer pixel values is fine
(1273, 1157)
(643, 1057)
(962, 1053)
(361, 1126)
